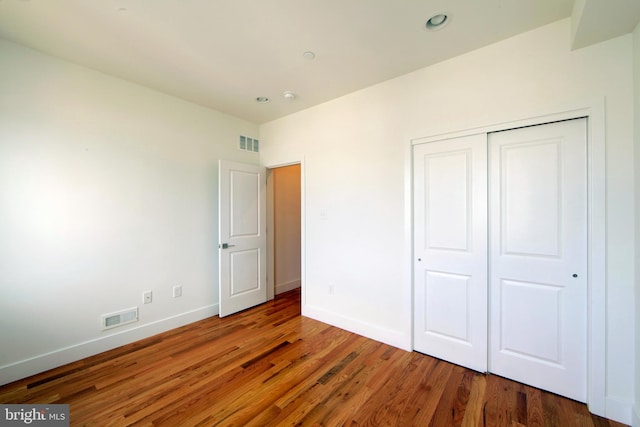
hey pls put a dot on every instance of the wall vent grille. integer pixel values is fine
(119, 318)
(249, 144)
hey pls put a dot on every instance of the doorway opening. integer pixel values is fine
(284, 260)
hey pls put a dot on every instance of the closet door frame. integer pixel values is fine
(594, 111)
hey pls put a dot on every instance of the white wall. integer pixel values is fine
(107, 189)
(636, 85)
(356, 151)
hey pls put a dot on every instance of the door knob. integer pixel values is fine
(575, 275)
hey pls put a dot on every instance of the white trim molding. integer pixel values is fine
(60, 357)
(287, 286)
(387, 336)
(619, 410)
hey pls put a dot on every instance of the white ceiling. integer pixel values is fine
(224, 53)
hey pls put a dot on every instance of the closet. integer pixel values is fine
(500, 246)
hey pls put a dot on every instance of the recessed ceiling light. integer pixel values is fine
(437, 22)
(288, 95)
(262, 100)
(309, 55)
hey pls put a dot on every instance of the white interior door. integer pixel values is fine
(450, 246)
(242, 231)
(538, 256)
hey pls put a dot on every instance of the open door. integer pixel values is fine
(242, 231)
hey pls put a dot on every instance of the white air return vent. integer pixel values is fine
(249, 144)
(120, 318)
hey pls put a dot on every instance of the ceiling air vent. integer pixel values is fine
(249, 144)
(120, 318)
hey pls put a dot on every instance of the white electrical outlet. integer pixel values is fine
(147, 297)
(177, 291)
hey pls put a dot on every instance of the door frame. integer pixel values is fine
(594, 111)
(270, 227)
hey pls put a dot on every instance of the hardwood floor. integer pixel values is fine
(269, 366)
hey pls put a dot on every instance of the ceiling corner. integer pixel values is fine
(595, 21)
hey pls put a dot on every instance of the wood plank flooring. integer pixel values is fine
(268, 366)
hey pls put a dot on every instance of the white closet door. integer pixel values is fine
(450, 224)
(538, 256)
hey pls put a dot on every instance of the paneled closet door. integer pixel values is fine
(450, 246)
(538, 256)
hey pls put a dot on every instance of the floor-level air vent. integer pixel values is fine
(249, 144)
(120, 318)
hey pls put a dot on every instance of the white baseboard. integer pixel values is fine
(635, 422)
(44, 362)
(288, 286)
(618, 410)
(387, 336)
